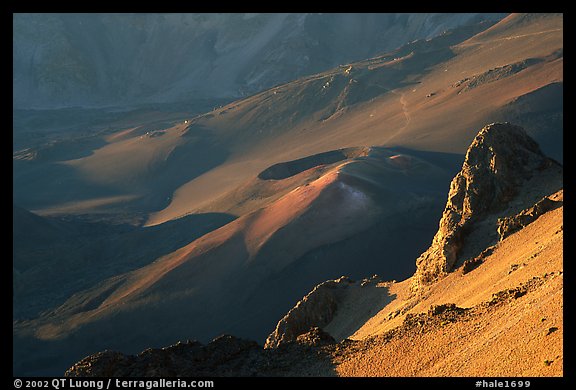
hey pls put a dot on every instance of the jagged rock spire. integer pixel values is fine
(501, 157)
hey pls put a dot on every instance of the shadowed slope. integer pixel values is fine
(508, 307)
(228, 280)
(55, 258)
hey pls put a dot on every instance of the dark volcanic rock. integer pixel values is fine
(224, 356)
(473, 263)
(499, 163)
(104, 364)
(315, 337)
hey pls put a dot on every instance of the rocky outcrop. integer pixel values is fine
(495, 74)
(499, 163)
(474, 262)
(315, 337)
(320, 307)
(189, 358)
(225, 356)
(512, 224)
(314, 310)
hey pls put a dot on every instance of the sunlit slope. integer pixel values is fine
(515, 304)
(241, 277)
(428, 95)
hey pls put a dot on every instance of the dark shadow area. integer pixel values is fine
(53, 258)
(224, 356)
(541, 114)
(49, 120)
(349, 323)
(40, 183)
(37, 185)
(374, 251)
(62, 149)
(287, 169)
(147, 322)
(451, 162)
(185, 163)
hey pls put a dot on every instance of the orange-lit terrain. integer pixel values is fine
(159, 225)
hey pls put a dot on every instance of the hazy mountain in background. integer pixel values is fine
(94, 60)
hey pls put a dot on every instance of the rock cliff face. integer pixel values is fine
(320, 307)
(499, 165)
(314, 310)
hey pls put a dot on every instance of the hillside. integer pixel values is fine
(161, 165)
(504, 293)
(509, 308)
(116, 59)
(506, 302)
(241, 277)
(88, 252)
